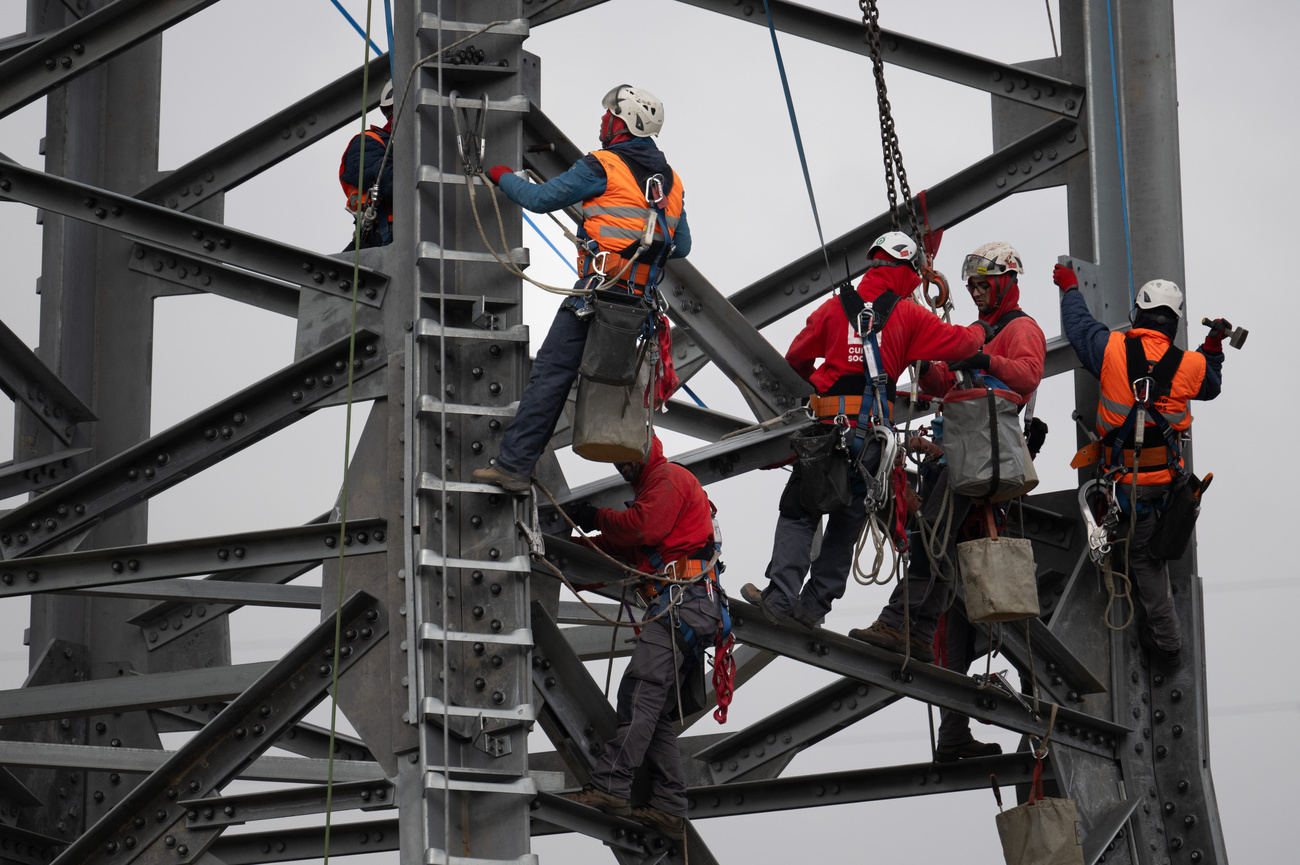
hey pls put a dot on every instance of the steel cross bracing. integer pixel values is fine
(124, 647)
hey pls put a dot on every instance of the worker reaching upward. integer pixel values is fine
(618, 186)
(910, 333)
(1144, 365)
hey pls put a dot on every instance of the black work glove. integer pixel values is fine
(1035, 435)
(989, 333)
(585, 517)
(922, 367)
(975, 361)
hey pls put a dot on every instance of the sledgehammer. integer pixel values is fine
(1236, 337)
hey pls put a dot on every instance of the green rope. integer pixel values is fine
(347, 448)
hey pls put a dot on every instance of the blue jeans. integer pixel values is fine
(554, 371)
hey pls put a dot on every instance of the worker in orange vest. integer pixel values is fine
(358, 181)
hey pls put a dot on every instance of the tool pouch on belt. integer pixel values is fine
(985, 449)
(611, 356)
(1042, 831)
(1173, 530)
(824, 485)
(998, 577)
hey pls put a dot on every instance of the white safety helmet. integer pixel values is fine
(640, 109)
(1160, 292)
(386, 97)
(991, 259)
(896, 245)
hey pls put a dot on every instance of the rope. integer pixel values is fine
(347, 448)
(1050, 26)
(798, 139)
(365, 33)
(1119, 147)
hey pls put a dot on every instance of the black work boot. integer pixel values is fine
(1148, 641)
(669, 825)
(946, 753)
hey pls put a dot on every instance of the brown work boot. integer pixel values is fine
(600, 800)
(669, 825)
(760, 599)
(508, 482)
(952, 753)
(887, 637)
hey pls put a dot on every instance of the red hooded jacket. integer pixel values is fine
(910, 334)
(671, 513)
(1015, 355)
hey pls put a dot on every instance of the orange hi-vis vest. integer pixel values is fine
(616, 220)
(358, 198)
(1117, 400)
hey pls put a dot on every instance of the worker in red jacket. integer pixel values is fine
(1014, 357)
(668, 528)
(910, 333)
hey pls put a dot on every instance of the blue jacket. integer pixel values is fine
(349, 170)
(1089, 336)
(586, 179)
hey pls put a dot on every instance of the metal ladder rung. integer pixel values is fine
(431, 483)
(434, 856)
(518, 787)
(427, 328)
(427, 175)
(468, 299)
(430, 251)
(431, 633)
(430, 404)
(516, 564)
(518, 104)
(429, 21)
(432, 709)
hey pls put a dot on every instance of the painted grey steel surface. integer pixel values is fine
(462, 681)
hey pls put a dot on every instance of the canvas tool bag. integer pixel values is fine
(985, 449)
(610, 355)
(824, 484)
(1042, 831)
(998, 576)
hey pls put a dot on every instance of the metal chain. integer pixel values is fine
(893, 155)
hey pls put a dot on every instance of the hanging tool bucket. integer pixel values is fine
(986, 451)
(998, 576)
(611, 423)
(611, 354)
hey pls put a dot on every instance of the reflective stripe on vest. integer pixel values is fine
(617, 216)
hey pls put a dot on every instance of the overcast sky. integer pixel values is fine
(241, 60)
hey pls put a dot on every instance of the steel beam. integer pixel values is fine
(577, 717)
(291, 845)
(1100, 840)
(925, 682)
(127, 693)
(861, 785)
(143, 761)
(214, 811)
(306, 740)
(28, 848)
(959, 197)
(270, 142)
(30, 475)
(194, 444)
(106, 567)
(201, 276)
(29, 381)
(553, 814)
(1000, 79)
(790, 730)
(84, 44)
(553, 10)
(215, 755)
(188, 235)
(214, 591)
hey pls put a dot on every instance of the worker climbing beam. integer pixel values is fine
(84, 44)
(270, 142)
(1000, 79)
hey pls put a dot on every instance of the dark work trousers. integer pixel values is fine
(554, 370)
(1150, 574)
(792, 558)
(954, 727)
(647, 702)
(927, 593)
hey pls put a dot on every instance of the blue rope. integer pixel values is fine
(1119, 146)
(548, 243)
(359, 28)
(798, 140)
(388, 18)
(699, 402)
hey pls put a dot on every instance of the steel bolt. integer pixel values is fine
(182, 850)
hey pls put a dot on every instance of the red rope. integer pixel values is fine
(724, 677)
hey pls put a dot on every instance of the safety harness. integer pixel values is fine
(1149, 382)
(656, 189)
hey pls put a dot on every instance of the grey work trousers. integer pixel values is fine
(1150, 574)
(792, 559)
(647, 702)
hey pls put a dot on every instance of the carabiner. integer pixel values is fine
(930, 276)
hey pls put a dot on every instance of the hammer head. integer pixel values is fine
(1236, 337)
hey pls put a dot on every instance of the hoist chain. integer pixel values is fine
(893, 155)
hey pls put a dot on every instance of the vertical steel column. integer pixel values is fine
(469, 581)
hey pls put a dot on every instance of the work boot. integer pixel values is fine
(806, 617)
(508, 482)
(669, 825)
(761, 599)
(1148, 641)
(952, 753)
(888, 637)
(600, 800)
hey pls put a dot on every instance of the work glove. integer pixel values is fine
(585, 517)
(499, 171)
(989, 333)
(975, 361)
(1214, 339)
(1064, 278)
(1035, 435)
